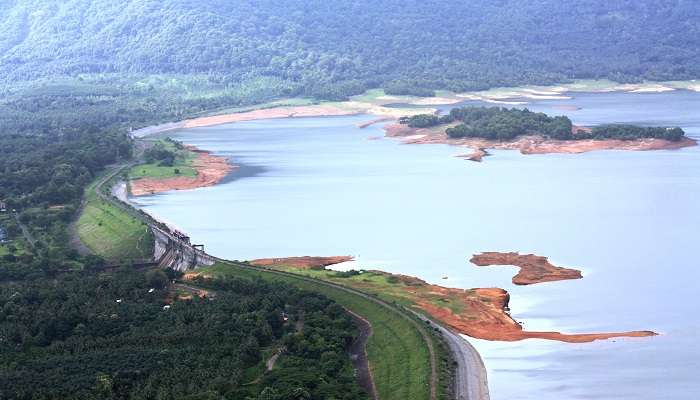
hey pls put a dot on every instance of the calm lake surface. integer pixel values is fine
(629, 220)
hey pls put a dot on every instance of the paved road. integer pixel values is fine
(471, 381)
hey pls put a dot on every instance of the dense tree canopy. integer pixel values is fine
(498, 123)
(505, 124)
(332, 49)
(123, 336)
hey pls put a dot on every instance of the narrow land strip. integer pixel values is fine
(399, 373)
(481, 313)
(358, 355)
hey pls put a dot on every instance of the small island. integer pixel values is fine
(532, 133)
(533, 269)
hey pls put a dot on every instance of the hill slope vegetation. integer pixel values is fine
(333, 49)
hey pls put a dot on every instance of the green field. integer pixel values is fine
(398, 355)
(112, 233)
(381, 285)
(181, 167)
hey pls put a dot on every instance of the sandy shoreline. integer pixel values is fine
(530, 144)
(377, 104)
(210, 169)
(321, 110)
(269, 113)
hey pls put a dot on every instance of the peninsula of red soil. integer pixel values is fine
(301, 262)
(484, 316)
(532, 144)
(533, 269)
(479, 313)
(210, 171)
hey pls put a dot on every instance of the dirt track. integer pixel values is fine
(358, 355)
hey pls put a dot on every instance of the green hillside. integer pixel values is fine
(332, 49)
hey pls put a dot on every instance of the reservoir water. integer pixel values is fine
(629, 220)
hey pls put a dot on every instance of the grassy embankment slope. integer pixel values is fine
(391, 288)
(4, 249)
(110, 232)
(398, 355)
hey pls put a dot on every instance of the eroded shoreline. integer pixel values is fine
(210, 169)
(480, 313)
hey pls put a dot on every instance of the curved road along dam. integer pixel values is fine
(629, 221)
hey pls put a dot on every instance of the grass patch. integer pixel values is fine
(182, 165)
(398, 356)
(110, 232)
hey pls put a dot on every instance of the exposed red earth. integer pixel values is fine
(210, 169)
(533, 269)
(483, 312)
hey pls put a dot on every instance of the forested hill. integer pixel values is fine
(335, 48)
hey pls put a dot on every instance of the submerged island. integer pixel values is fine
(530, 132)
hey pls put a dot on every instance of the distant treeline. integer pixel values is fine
(335, 49)
(498, 123)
